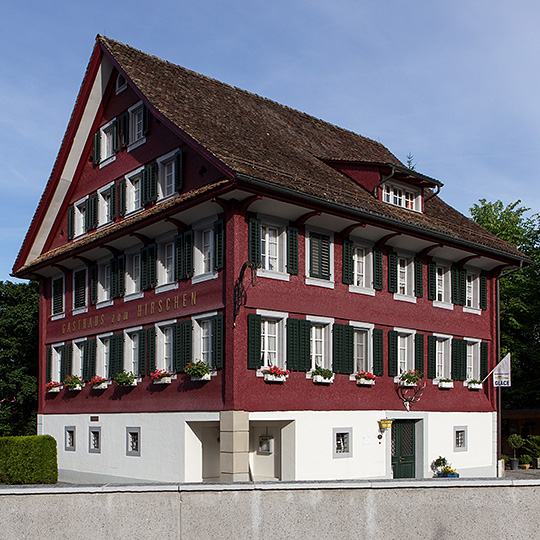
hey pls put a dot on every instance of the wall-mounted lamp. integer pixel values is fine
(385, 423)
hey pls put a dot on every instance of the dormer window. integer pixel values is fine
(402, 195)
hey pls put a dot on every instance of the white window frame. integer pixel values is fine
(443, 286)
(165, 275)
(133, 275)
(120, 86)
(136, 137)
(280, 270)
(60, 314)
(199, 259)
(131, 350)
(337, 451)
(280, 319)
(163, 162)
(327, 283)
(134, 191)
(473, 359)
(402, 195)
(325, 324)
(443, 357)
(367, 263)
(107, 143)
(165, 345)
(55, 361)
(405, 279)
(104, 298)
(367, 330)
(472, 292)
(104, 205)
(81, 309)
(77, 358)
(199, 322)
(79, 208)
(103, 354)
(405, 351)
(465, 445)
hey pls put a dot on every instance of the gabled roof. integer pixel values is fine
(257, 140)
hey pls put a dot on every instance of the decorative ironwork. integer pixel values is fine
(410, 395)
(239, 288)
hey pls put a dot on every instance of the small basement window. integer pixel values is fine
(342, 440)
(460, 439)
(133, 441)
(69, 438)
(94, 440)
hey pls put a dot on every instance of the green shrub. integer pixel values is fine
(28, 460)
(532, 445)
(525, 459)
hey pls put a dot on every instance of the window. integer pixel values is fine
(442, 357)
(319, 259)
(133, 441)
(57, 295)
(94, 440)
(79, 290)
(56, 369)
(342, 447)
(473, 360)
(80, 218)
(164, 344)
(121, 83)
(107, 204)
(104, 283)
(363, 360)
(169, 174)
(103, 355)
(208, 339)
(320, 342)
(165, 263)
(402, 195)
(109, 144)
(77, 365)
(137, 125)
(405, 275)
(472, 295)
(460, 439)
(131, 353)
(405, 352)
(404, 280)
(133, 273)
(133, 191)
(69, 438)
(204, 251)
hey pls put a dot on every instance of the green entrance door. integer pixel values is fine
(403, 457)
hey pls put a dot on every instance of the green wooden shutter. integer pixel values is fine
(343, 348)
(189, 269)
(69, 358)
(484, 360)
(48, 367)
(304, 346)
(113, 203)
(462, 286)
(80, 289)
(62, 351)
(179, 170)
(456, 294)
(392, 353)
(87, 215)
(292, 250)
(151, 349)
(144, 269)
(377, 269)
(348, 262)
(392, 271)
(148, 267)
(217, 340)
(219, 244)
(146, 120)
(179, 265)
(458, 373)
(319, 256)
(432, 280)
(113, 265)
(418, 277)
(254, 249)
(177, 347)
(119, 352)
(96, 147)
(432, 357)
(125, 129)
(115, 136)
(152, 182)
(58, 296)
(86, 362)
(120, 275)
(293, 344)
(378, 352)
(89, 354)
(116, 354)
(483, 292)
(122, 207)
(419, 353)
(254, 341)
(71, 223)
(142, 353)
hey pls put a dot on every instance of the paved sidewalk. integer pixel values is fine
(522, 474)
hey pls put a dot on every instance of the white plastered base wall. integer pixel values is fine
(171, 445)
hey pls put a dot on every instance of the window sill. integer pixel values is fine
(326, 283)
(443, 305)
(166, 287)
(58, 316)
(136, 144)
(203, 277)
(104, 303)
(443, 384)
(361, 290)
(282, 276)
(79, 311)
(474, 311)
(133, 296)
(405, 298)
(106, 161)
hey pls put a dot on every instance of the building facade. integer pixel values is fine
(189, 221)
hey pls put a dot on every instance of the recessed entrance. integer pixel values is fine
(403, 449)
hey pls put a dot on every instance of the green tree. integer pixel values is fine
(519, 298)
(18, 357)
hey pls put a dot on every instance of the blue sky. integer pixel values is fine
(453, 83)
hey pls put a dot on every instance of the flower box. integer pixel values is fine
(446, 384)
(163, 380)
(474, 386)
(319, 379)
(443, 475)
(271, 377)
(100, 386)
(408, 384)
(54, 389)
(75, 388)
(205, 377)
(365, 382)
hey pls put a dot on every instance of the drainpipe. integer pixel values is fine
(385, 179)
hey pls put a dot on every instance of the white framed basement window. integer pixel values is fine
(133, 441)
(70, 438)
(342, 442)
(461, 439)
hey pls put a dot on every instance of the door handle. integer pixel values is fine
(400, 459)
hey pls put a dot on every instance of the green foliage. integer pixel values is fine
(71, 381)
(124, 378)
(411, 377)
(18, 358)
(197, 369)
(532, 445)
(324, 373)
(28, 460)
(525, 459)
(438, 464)
(515, 442)
(505, 458)
(519, 299)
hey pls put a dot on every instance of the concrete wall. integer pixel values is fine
(441, 509)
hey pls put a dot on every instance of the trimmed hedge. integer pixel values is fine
(28, 460)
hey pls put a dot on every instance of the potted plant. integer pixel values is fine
(525, 461)
(448, 472)
(53, 386)
(474, 384)
(161, 376)
(532, 445)
(198, 371)
(321, 375)
(365, 378)
(275, 374)
(410, 378)
(125, 378)
(443, 469)
(446, 383)
(515, 442)
(506, 460)
(98, 382)
(73, 382)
